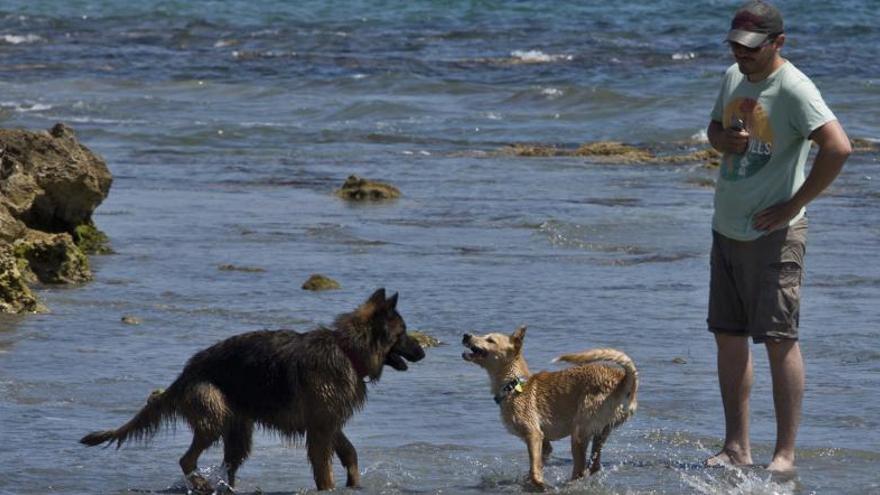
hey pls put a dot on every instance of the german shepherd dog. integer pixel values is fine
(585, 401)
(297, 384)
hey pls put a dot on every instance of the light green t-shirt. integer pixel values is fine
(779, 113)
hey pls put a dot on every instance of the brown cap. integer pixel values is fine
(753, 23)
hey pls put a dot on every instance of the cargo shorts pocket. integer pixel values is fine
(780, 298)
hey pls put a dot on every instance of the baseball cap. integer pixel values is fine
(753, 23)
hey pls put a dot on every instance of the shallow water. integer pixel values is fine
(228, 126)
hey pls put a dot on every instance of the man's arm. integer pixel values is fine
(727, 140)
(834, 149)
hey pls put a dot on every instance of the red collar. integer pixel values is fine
(356, 362)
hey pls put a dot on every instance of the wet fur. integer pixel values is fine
(585, 401)
(301, 385)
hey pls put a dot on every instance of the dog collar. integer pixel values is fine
(513, 386)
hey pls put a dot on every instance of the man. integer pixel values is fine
(765, 116)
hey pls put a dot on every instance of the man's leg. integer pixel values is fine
(735, 378)
(787, 369)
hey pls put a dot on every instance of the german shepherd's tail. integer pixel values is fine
(160, 409)
(630, 384)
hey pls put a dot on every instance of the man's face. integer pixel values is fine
(755, 60)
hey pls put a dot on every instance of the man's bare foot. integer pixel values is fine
(781, 464)
(729, 457)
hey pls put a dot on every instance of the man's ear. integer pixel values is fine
(517, 337)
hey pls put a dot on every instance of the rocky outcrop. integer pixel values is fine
(50, 185)
(613, 152)
(15, 295)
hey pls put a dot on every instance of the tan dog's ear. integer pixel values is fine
(517, 337)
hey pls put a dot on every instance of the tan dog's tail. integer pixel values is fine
(142, 427)
(630, 384)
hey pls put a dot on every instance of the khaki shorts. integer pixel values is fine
(755, 286)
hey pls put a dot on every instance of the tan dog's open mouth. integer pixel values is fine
(476, 352)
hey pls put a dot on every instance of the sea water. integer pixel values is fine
(227, 126)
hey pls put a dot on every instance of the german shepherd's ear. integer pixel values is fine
(517, 337)
(378, 297)
(391, 302)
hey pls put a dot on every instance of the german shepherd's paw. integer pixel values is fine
(196, 484)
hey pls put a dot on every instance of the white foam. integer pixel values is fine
(684, 56)
(736, 481)
(552, 92)
(25, 107)
(700, 136)
(14, 39)
(537, 56)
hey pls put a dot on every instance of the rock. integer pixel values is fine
(236, 268)
(49, 181)
(709, 156)
(358, 189)
(131, 320)
(91, 240)
(52, 258)
(536, 150)
(49, 187)
(860, 145)
(424, 339)
(614, 152)
(15, 295)
(10, 227)
(319, 282)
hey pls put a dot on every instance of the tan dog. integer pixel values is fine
(585, 401)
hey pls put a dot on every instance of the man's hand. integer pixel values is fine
(735, 141)
(775, 217)
(728, 140)
(834, 148)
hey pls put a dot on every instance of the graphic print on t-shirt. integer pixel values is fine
(754, 119)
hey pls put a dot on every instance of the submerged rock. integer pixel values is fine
(50, 185)
(359, 189)
(319, 282)
(861, 145)
(424, 339)
(709, 156)
(130, 320)
(613, 152)
(236, 268)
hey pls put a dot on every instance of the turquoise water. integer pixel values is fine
(227, 125)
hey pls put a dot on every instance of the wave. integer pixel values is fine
(25, 107)
(20, 39)
(539, 57)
